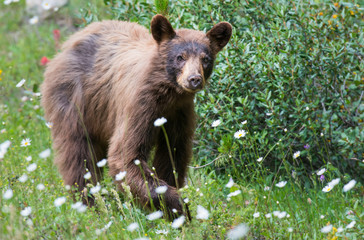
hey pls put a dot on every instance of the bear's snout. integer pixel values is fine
(195, 82)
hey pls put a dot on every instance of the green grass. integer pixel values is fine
(309, 208)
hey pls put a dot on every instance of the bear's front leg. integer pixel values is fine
(131, 143)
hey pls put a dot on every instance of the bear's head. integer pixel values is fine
(189, 54)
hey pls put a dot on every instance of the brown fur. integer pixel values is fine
(104, 91)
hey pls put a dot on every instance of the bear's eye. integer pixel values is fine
(205, 59)
(180, 58)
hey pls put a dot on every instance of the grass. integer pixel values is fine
(309, 208)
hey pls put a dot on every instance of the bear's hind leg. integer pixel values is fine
(75, 157)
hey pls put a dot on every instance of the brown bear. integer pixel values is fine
(106, 88)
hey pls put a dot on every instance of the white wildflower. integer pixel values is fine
(238, 232)
(340, 229)
(8, 194)
(282, 214)
(132, 227)
(4, 148)
(239, 134)
(46, 153)
(101, 163)
(29, 158)
(163, 231)
(351, 225)
(334, 182)
(23, 178)
(95, 189)
(349, 185)
(40, 187)
(137, 162)
(59, 201)
(21, 83)
(322, 171)
(268, 215)
(160, 121)
(26, 211)
(25, 142)
(155, 215)
(266, 188)
(244, 122)
(186, 200)
(46, 5)
(256, 215)
(235, 193)
(260, 159)
(216, 123)
(32, 167)
(161, 189)
(34, 20)
(7, 2)
(281, 184)
(120, 176)
(326, 229)
(327, 188)
(269, 113)
(178, 222)
(296, 154)
(87, 175)
(230, 183)
(290, 229)
(202, 213)
(49, 124)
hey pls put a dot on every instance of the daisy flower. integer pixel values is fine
(26, 211)
(95, 189)
(161, 189)
(155, 215)
(351, 225)
(46, 5)
(40, 187)
(240, 134)
(202, 213)
(235, 193)
(281, 184)
(216, 123)
(238, 232)
(178, 222)
(120, 176)
(8, 194)
(326, 229)
(49, 124)
(34, 20)
(132, 227)
(230, 183)
(322, 171)
(46, 153)
(23, 178)
(334, 182)
(32, 167)
(296, 154)
(21, 83)
(260, 159)
(160, 121)
(101, 163)
(25, 142)
(327, 188)
(256, 215)
(87, 175)
(59, 201)
(349, 185)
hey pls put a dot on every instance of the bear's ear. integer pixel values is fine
(161, 29)
(219, 36)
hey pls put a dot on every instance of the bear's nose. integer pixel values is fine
(195, 81)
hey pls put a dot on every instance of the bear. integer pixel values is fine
(105, 89)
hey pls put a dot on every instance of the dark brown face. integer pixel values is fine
(190, 55)
(189, 64)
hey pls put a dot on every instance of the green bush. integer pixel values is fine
(293, 70)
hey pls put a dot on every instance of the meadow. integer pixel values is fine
(278, 152)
